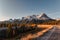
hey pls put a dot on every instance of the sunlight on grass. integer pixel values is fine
(30, 36)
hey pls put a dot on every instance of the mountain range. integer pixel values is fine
(33, 18)
(43, 16)
(36, 19)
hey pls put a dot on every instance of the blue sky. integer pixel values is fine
(19, 8)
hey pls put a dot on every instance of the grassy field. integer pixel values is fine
(27, 33)
(40, 33)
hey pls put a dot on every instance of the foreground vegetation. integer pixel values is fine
(19, 32)
(22, 27)
(28, 23)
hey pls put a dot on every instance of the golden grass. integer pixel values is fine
(30, 36)
(44, 26)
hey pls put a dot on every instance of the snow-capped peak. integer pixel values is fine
(43, 16)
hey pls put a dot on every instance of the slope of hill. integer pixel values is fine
(43, 16)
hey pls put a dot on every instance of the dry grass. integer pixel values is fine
(30, 36)
(44, 26)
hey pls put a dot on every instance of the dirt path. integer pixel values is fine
(28, 37)
(53, 34)
(46, 36)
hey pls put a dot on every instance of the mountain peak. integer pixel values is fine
(43, 16)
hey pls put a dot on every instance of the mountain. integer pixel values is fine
(36, 19)
(43, 16)
(31, 19)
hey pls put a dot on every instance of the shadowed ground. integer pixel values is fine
(30, 37)
(53, 34)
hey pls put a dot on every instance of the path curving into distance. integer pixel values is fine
(47, 35)
(53, 34)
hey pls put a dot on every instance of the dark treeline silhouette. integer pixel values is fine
(24, 22)
(23, 26)
(13, 33)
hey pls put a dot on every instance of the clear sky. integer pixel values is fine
(20, 8)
